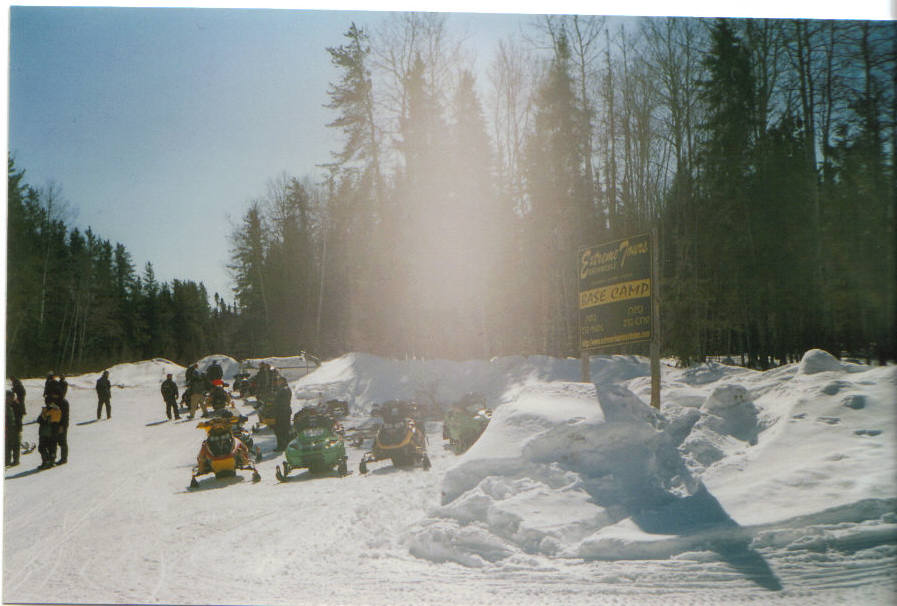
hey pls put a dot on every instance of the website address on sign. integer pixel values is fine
(630, 337)
(603, 295)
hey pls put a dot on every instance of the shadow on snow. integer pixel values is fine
(213, 483)
(702, 517)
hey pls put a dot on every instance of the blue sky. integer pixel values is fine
(160, 125)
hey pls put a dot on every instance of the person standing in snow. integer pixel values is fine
(170, 395)
(55, 384)
(62, 436)
(14, 413)
(197, 386)
(48, 432)
(218, 397)
(214, 372)
(104, 395)
(283, 413)
(50, 379)
(19, 390)
(263, 382)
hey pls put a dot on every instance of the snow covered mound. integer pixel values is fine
(133, 374)
(291, 367)
(817, 360)
(229, 366)
(728, 420)
(591, 471)
(555, 466)
(365, 380)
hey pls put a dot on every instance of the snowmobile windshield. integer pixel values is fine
(221, 443)
(313, 432)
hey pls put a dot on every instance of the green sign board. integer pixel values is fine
(615, 289)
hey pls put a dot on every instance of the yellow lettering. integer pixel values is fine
(614, 293)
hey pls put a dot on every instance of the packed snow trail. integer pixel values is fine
(575, 493)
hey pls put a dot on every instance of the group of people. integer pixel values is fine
(53, 422)
(203, 389)
(273, 392)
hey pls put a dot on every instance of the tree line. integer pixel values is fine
(75, 302)
(762, 150)
(451, 213)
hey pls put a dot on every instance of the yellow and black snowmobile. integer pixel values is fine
(223, 453)
(401, 438)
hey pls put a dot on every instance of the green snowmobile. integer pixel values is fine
(464, 424)
(318, 445)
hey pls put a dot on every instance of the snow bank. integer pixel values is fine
(365, 380)
(591, 471)
(132, 374)
(229, 366)
(555, 466)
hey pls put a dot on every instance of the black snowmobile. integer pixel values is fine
(401, 438)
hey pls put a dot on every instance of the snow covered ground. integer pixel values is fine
(776, 487)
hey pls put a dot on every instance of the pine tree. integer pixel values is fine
(248, 270)
(560, 214)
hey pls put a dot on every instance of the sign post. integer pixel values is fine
(617, 302)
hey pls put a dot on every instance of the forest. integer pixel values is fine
(451, 213)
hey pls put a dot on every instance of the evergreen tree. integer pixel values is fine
(247, 267)
(560, 215)
(727, 245)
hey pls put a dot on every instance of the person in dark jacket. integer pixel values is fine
(263, 382)
(283, 413)
(191, 372)
(218, 397)
(104, 395)
(14, 413)
(170, 395)
(214, 372)
(55, 384)
(50, 377)
(19, 390)
(197, 387)
(62, 435)
(48, 431)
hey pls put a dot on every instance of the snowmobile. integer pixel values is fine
(401, 438)
(221, 452)
(318, 445)
(266, 416)
(240, 432)
(244, 384)
(465, 422)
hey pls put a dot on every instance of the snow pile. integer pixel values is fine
(229, 366)
(556, 465)
(728, 421)
(132, 374)
(365, 380)
(581, 471)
